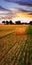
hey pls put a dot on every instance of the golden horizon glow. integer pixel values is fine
(23, 15)
(19, 15)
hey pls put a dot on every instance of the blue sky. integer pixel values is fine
(21, 1)
(14, 6)
(6, 4)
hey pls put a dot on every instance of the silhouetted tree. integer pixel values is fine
(22, 23)
(7, 22)
(10, 22)
(30, 22)
(3, 22)
(26, 23)
(18, 22)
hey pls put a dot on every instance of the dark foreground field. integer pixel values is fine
(15, 45)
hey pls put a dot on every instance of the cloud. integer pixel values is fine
(8, 14)
(12, 4)
(28, 2)
(30, 14)
(3, 9)
(14, 12)
(23, 7)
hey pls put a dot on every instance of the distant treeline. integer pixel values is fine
(16, 22)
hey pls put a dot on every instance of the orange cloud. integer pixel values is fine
(23, 15)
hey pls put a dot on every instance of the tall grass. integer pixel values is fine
(29, 30)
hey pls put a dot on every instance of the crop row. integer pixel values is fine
(18, 50)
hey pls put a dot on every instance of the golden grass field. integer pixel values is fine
(15, 45)
(18, 29)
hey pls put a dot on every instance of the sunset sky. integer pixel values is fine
(16, 10)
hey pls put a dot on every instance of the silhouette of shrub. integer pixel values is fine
(3, 22)
(30, 22)
(18, 22)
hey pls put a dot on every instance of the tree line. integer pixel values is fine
(16, 22)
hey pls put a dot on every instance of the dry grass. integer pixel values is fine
(15, 48)
(21, 30)
(18, 29)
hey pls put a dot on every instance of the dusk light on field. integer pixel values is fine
(15, 32)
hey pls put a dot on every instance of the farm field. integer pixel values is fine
(15, 44)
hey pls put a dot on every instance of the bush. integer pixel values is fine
(18, 22)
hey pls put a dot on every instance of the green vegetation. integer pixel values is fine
(29, 30)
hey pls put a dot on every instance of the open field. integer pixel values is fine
(15, 44)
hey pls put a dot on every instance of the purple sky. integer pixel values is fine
(10, 7)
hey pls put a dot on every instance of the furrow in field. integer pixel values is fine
(14, 62)
(7, 44)
(6, 34)
(15, 43)
(19, 43)
(21, 58)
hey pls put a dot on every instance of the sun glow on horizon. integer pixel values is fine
(18, 15)
(21, 19)
(23, 15)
